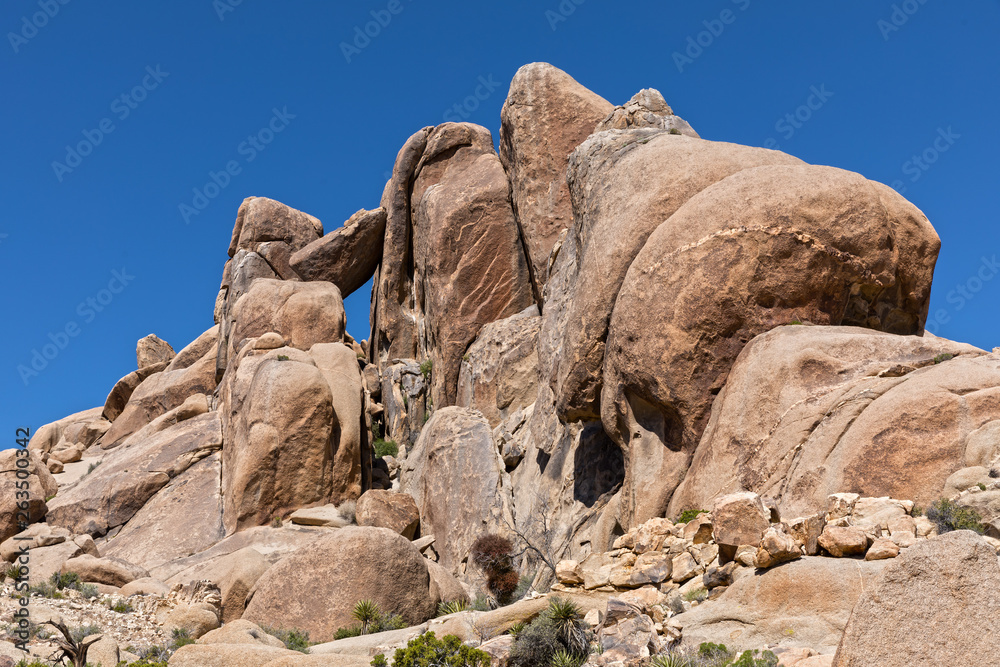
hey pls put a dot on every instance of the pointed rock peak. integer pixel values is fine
(647, 108)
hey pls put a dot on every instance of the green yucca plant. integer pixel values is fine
(367, 613)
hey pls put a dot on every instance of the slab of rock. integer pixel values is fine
(805, 603)
(851, 252)
(114, 491)
(346, 257)
(154, 535)
(36, 535)
(260, 219)
(444, 586)
(387, 509)
(937, 604)
(119, 395)
(153, 350)
(159, 393)
(626, 634)
(67, 437)
(145, 586)
(226, 655)
(454, 476)
(108, 570)
(195, 619)
(195, 350)
(499, 373)
(316, 588)
(777, 547)
(882, 549)
(843, 541)
(324, 515)
(738, 519)
(15, 514)
(546, 115)
(46, 561)
(842, 400)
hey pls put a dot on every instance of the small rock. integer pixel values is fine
(840, 542)
(882, 549)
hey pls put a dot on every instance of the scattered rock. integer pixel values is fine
(387, 509)
(153, 350)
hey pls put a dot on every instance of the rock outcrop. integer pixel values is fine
(346, 257)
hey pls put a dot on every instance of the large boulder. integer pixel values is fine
(346, 257)
(804, 603)
(122, 391)
(761, 248)
(260, 220)
(154, 536)
(499, 373)
(106, 570)
(936, 604)
(624, 184)
(195, 350)
(387, 509)
(315, 589)
(23, 471)
(284, 429)
(116, 490)
(158, 394)
(546, 115)
(454, 475)
(66, 439)
(152, 350)
(810, 411)
(450, 219)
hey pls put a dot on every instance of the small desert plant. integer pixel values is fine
(63, 580)
(151, 655)
(92, 467)
(48, 498)
(558, 628)
(949, 516)
(689, 515)
(379, 661)
(672, 659)
(426, 368)
(697, 595)
(276, 522)
(46, 590)
(294, 639)
(282, 357)
(452, 607)
(674, 130)
(994, 473)
(88, 591)
(120, 607)
(516, 629)
(563, 658)
(348, 509)
(385, 448)
(180, 637)
(750, 659)
(943, 357)
(13, 572)
(481, 603)
(426, 650)
(568, 621)
(982, 487)
(366, 612)
(492, 554)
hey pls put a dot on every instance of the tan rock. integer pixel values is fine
(444, 587)
(647, 108)
(316, 587)
(34, 536)
(569, 572)
(260, 219)
(453, 474)
(936, 604)
(226, 655)
(546, 115)
(118, 488)
(699, 529)
(240, 633)
(806, 530)
(347, 256)
(145, 586)
(833, 390)
(269, 341)
(108, 570)
(388, 509)
(46, 561)
(196, 619)
(881, 549)
(15, 516)
(739, 519)
(325, 515)
(843, 541)
(684, 567)
(777, 547)
(153, 350)
(195, 350)
(120, 394)
(103, 652)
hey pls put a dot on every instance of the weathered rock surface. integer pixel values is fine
(845, 251)
(346, 257)
(66, 439)
(195, 350)
(499, 373)
(260, 220)
(647, 108)
(17, 512)
(114, 491)
(386, 509)
(159, 393)
(454, 476)
(937, 604)
(119, 395)
(809, 411)
(547, 114)
(316, 588)
(804, 603)
(183, 518)
(153, 350)
(105, 570)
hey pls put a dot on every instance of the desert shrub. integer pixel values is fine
(282, 357)
(153, 655)
(452, 607)
(697, 595)
(492, 554)
(295, 640)
(348, 509)
(385, 448)
(564, 658)
(949, 516)
(750, 659)
(92, 466)
(120, 607)
(370, 620)
(481, 603)
(180, 637)
(689, 515)
(558, 628)
(943, 357)
(276, 522)
(426, 650)
(366, 612)
(88, 591)
(46, 590)
(674, 130)
(81, 632)
(994, 473)
(144, 662)
(982, 487)
(426, 368)
(350, 631)
(379, 661)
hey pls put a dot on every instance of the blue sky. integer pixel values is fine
(164, 94)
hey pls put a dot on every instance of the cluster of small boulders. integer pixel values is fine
(666, 567)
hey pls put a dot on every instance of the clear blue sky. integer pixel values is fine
(889, 91)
